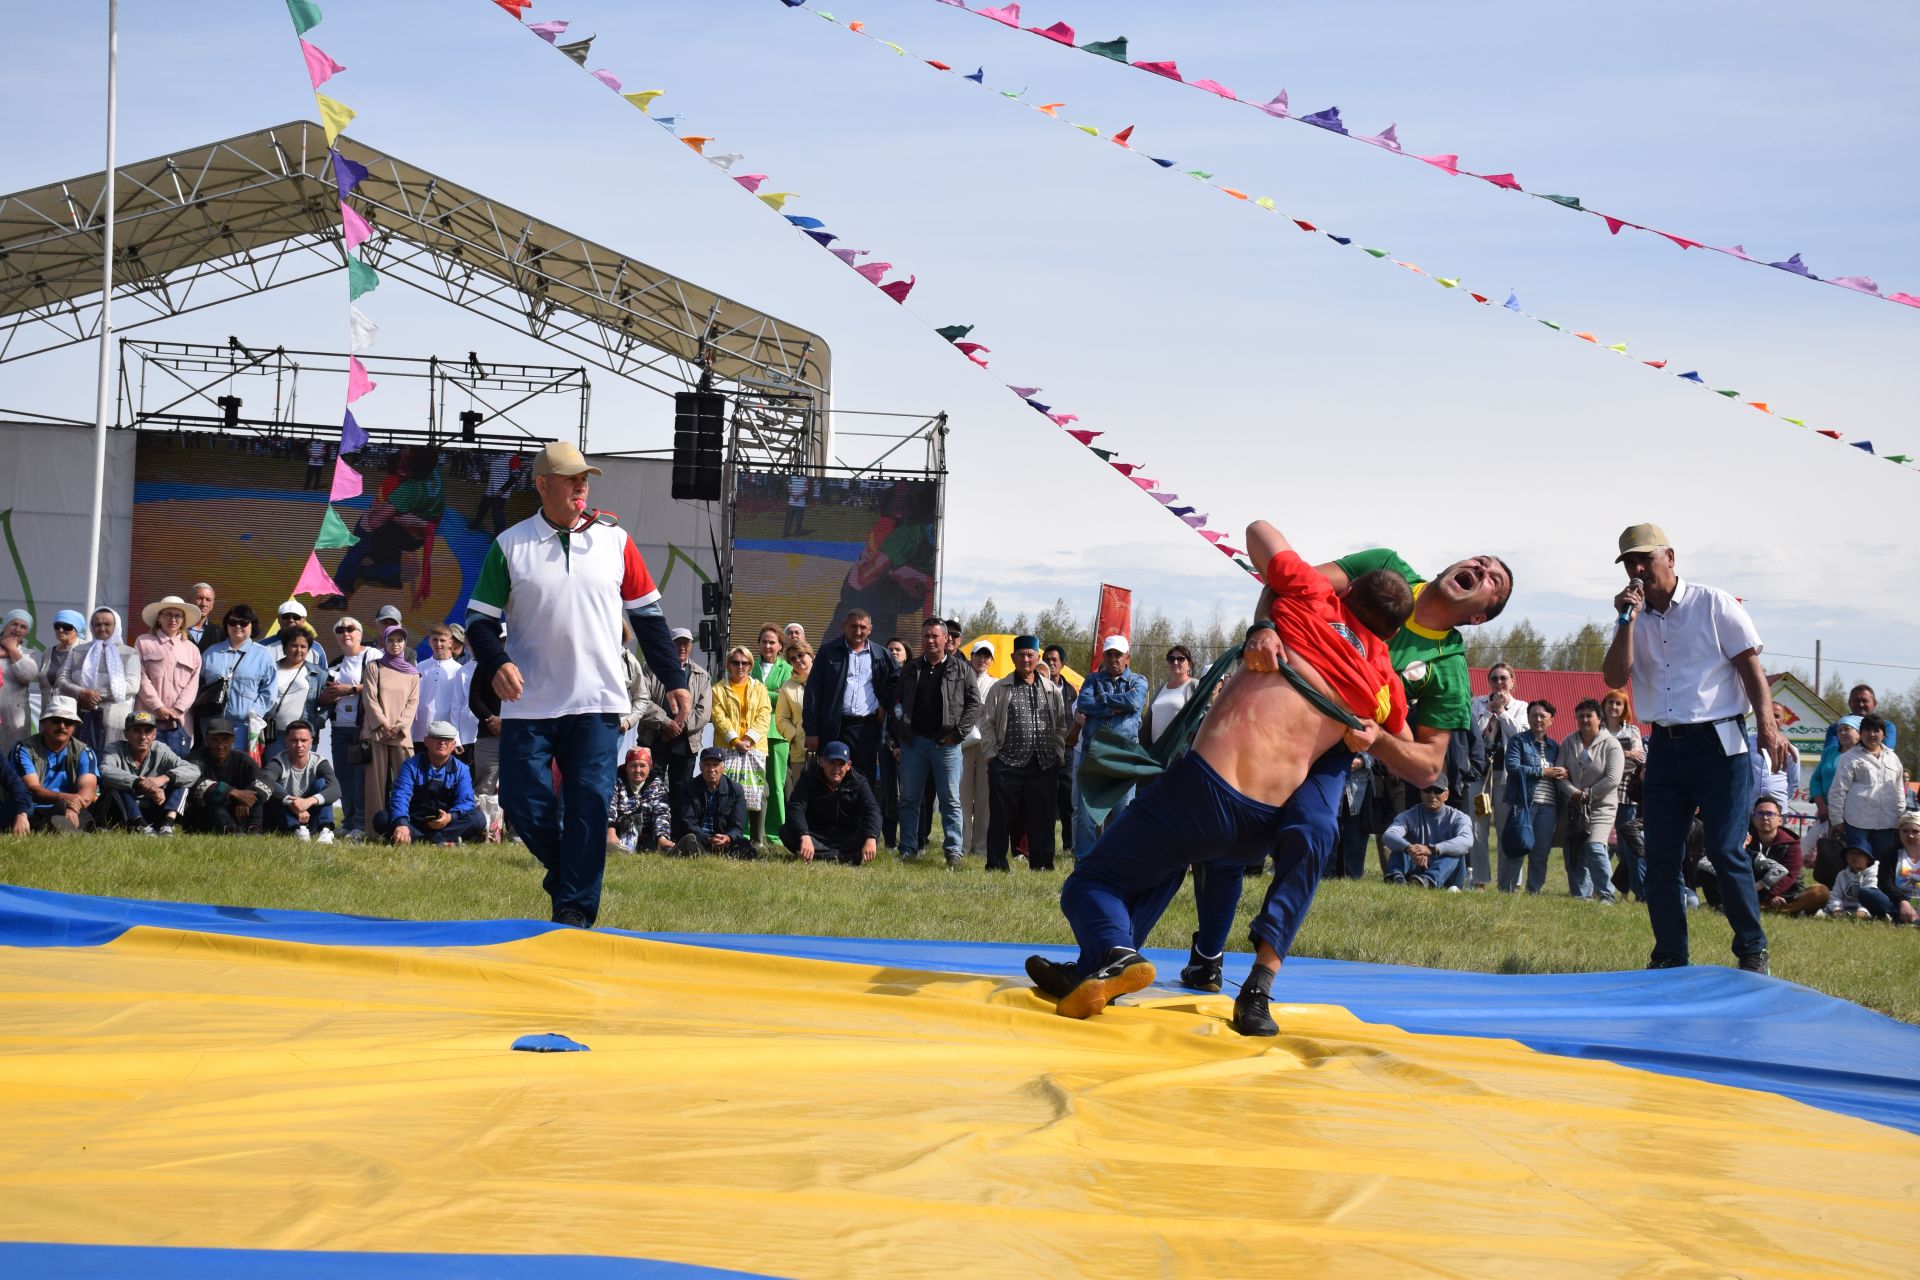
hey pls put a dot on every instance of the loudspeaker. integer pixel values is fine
(699, 439)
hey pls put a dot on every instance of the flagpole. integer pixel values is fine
(106, 314)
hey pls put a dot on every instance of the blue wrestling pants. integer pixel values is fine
(1121, 886)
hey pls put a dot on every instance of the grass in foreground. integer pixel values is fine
(1873, 964)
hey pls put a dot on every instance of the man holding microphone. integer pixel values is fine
(544, 622)
(1693, 656)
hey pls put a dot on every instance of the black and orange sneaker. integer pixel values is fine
(1123, 972)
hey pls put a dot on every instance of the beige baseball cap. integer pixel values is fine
(1641, 537)
(562, 459)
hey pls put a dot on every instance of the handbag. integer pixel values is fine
(358, 752)
(749, 768)
(212, 698)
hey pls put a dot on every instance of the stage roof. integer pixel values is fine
(206, 225)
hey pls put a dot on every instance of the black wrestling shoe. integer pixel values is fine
(1661, 962)
(1052, 977)
(1202, 974)
(1123, 972)
(1755, 962)
(572, 919)
(1250, 1012)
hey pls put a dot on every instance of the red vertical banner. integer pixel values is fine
(1112, 617)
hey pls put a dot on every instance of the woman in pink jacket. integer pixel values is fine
(169, 670)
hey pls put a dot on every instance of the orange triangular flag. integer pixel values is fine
(697, 143)
(1051, 109)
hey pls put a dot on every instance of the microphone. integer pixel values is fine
(1626, 614)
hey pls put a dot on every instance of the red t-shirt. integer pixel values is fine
(1317, 624)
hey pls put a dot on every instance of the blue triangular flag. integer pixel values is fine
(1513, 301)
(1693, 376)
(803, 222)
(1862, 444)
(1181, 511)
(347, 175)
(1339, 239)
(1164, 164)
(978, 77)
(1043, 408)
(825, 238)
(666, 122)
(353, 437)
(1795, 266)
(1328, 119)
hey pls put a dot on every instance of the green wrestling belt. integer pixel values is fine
(1112, 763)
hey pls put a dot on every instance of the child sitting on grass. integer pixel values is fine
(1855, 889)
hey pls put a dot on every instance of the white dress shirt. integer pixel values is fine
(1682, 658)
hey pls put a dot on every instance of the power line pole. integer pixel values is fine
(106, 314)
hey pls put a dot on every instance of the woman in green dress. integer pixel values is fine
(773, 670)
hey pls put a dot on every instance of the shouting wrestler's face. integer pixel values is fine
(1475, 590)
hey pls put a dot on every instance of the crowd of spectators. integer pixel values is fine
(202, 724)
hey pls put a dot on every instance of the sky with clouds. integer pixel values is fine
(1259, 371)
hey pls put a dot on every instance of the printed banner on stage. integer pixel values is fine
(240, 512)
(808, 548)
(1113, 616)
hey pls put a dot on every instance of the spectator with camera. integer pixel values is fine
(432, 796)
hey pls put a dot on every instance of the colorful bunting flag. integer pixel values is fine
(346, 482)
(315, 582)
(334, 533)
(334, 116)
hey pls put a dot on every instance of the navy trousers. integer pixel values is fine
(1685, 773)
(567, 832)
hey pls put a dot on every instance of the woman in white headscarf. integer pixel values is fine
(108, 677)
(19, 668)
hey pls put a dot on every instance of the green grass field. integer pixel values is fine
(1874, 964)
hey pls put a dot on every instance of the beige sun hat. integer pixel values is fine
(151, 614)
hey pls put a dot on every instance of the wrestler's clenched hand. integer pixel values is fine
(1362, 739)
(1263, 650)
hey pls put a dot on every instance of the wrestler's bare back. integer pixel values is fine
(1262, 737)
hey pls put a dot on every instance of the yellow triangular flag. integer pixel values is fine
(1621, 347)
(777, 199)
(1266, 202)
(644, 98)
(334, 116)
(1088, 129)
(896, 48)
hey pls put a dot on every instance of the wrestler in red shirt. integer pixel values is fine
(1343, 634)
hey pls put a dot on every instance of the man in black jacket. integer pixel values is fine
(848, 692)
(939, 703)
(832, 809)
(715, 812)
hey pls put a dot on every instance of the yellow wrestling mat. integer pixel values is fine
(805, 1118)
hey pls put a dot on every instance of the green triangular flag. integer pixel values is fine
(1550, 324)
(333, 532)
(361, 278)
(1446, 282)
(1798, 422)
(1899, 457)
(954, 332)
(1115, 48)
(1201, 174)
(1107, 455)
(1731, 395)
(1378, 253)
(1572, 202)
(306, 15)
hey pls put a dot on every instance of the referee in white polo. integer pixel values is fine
(544, 623)
(1693, 656)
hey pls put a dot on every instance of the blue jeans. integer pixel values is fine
(1440, 869)
(1633, 848)
(138, 811)
(1878, 903)
(1543, 815)
(920, 756)
(279, 818)
(566, 832)
(463, 828)
(353, 780)
(175, 740)
(1683, 773)
(1589, 870)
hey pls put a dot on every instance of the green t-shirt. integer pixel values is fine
(1432, 664)
(909, 547)
(422, 498)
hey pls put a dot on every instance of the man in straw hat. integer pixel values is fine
(544, 623)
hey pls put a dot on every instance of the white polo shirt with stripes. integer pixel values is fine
(563, 596)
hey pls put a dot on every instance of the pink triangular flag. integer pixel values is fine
(358, 383)
(1214, 86)
(1144, 483)
(1086, 437)
(1859, 284)
(1193, 521)
(1904, 299)
(1613, 224)
(1009, 14)
(873, 271)
(315, 581)
(1059, 32)
(1062, 419)
(751, 181)
(1165, 499)
(1387, 137)
(972, 350)
(607, 78)
(1210, 535)
(354, 226)
(1277, 106)
(1682, 241)
(1169, 69)
(1227, 549)
(1739, 251)
(1505, 180)
(848, 255)
(320, 68)
(899, 289)
(548, 31)
(1450, 164)
(346, 482)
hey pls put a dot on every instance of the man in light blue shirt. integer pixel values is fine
(1425, 844)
